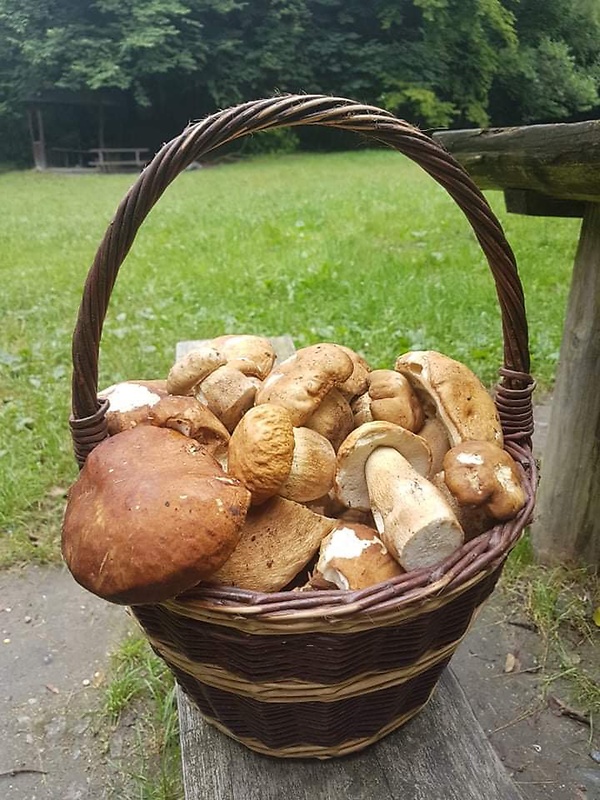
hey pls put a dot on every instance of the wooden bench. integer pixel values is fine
(442, 754)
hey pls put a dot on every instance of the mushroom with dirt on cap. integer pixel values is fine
(482, 483)
(381, 466)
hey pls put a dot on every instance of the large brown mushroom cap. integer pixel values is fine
(150, 515)
(460, 399)
(393, 400)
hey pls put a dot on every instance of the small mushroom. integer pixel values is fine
(483, 484)
(393, 400)
(382, 465)
(192, 368)
(313, 467)
(261, 451)
(353, 557)
(277, 541)
(150, 515)
(301, 382)
(252, 355)
(228, 393)
(130, 403)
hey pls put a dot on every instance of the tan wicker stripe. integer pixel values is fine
(315, 751)
(328, 622)
(295, 691)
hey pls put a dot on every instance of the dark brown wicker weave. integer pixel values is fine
(313, 673)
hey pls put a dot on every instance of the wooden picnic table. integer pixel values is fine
(109, 159)
(442, 754)
(554, 170)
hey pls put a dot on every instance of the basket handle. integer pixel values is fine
(88, 423)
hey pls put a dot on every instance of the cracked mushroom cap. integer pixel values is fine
(353, 557)
(484, 475)
(459, 398)
(301, 381)
(350, 480)
(130, 403)
(261, 451)
(150, 515)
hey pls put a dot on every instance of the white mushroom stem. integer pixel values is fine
(413, 520)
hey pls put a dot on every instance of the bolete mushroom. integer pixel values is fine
(130, 402)
(313, 467)
(393, 400)
(483, 485)
(333, 419)
(192, 368)
(252, 355)
(150, 515)
(278, 540)
(301, 381)
(382, 466)
(228, 393)
(352, 557)
(449, 390)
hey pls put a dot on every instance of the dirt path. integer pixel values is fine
(56, 639)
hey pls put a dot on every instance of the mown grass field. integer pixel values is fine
(358, 248)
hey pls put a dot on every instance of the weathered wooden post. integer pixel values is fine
(554, 170)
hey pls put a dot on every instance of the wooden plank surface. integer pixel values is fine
(567, 525)
(442, 754)
(561, 160)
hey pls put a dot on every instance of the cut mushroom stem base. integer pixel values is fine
(414, 521)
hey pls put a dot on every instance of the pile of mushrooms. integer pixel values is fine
(313, 473)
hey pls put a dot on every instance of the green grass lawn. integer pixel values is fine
(358, 248)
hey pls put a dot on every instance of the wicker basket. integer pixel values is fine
(313, 673)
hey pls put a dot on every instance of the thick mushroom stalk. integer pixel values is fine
(414, 521)
(382, 466)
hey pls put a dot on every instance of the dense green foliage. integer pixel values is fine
(436, 62)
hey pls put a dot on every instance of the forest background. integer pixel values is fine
(150, 66)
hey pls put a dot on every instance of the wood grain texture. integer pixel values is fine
(556, 160)
(442, 754)
(567, 525)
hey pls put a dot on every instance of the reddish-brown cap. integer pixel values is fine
(150, 515)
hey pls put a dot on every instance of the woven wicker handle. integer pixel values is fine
(87, 423)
